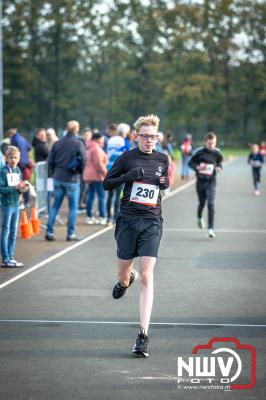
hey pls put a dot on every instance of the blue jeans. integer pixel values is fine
(71, 190)
(96, 187)
(10, 218)
(116, 193)
(185, 167)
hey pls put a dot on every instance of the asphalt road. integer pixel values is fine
(62, 336)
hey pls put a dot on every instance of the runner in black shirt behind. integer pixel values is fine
(139, 224)
(207, 161)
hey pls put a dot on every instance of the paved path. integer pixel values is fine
(63, 337)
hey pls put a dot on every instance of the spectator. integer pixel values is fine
(124, 130)
(2, 159)
(130, 138)
(159, 144)
(85, 138)
(262, 148)
(94, 174)
(40, 146)
(25, 164)
(115, 147)
(110, 132)
(10, 186)
(66, 178)
(167, 144)
(4, 147)
(186, 153)
(51, 137)
(86, 135)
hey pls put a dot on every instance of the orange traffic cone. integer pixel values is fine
(25, 228)
(23, 217)
(35, 222)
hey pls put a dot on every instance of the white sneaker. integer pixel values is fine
(102, 221)
(211, 233)
(90, 221)
(18, 263)
(201, 223)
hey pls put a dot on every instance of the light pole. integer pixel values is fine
(1, 75)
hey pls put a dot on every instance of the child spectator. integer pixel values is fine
(256, 160)
(11, 185)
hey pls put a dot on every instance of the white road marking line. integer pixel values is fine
(54, 257)
(43, 321)
(216, 230)
(87, 239)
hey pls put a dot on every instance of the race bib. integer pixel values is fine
(255, 163)
(13, 179)
(208, 169)
(143, 193)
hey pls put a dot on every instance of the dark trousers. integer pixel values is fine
(256, 177)
(206, 192)
(115, 193)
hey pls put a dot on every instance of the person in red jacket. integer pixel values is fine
(94, 174)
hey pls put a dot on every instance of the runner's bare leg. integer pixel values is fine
(146, 291)
(124, 271)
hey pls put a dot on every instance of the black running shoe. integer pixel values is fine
(119, 290)
(141, 346)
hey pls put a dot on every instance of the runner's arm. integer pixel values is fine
(219, 161)
(115, 176)
(164, 180)
(194, 162)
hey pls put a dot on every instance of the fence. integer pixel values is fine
(41, 171)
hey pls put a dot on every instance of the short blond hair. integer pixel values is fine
(11, 150)
(147, 120)
(73, 126)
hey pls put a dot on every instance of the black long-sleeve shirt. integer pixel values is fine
(139, 198)
(212, 159)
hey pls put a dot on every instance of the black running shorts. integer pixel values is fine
(137, 236)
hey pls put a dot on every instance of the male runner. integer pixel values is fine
(139, 223)
(207, 161)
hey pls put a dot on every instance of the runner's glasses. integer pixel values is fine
(147, 137)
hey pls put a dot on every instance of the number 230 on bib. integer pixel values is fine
(144, 193)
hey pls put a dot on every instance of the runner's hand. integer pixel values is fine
(162, 179)
(201, 166)
(133, 175)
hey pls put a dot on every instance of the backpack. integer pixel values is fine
(75, 164)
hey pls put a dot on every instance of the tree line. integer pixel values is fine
(199, 65)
